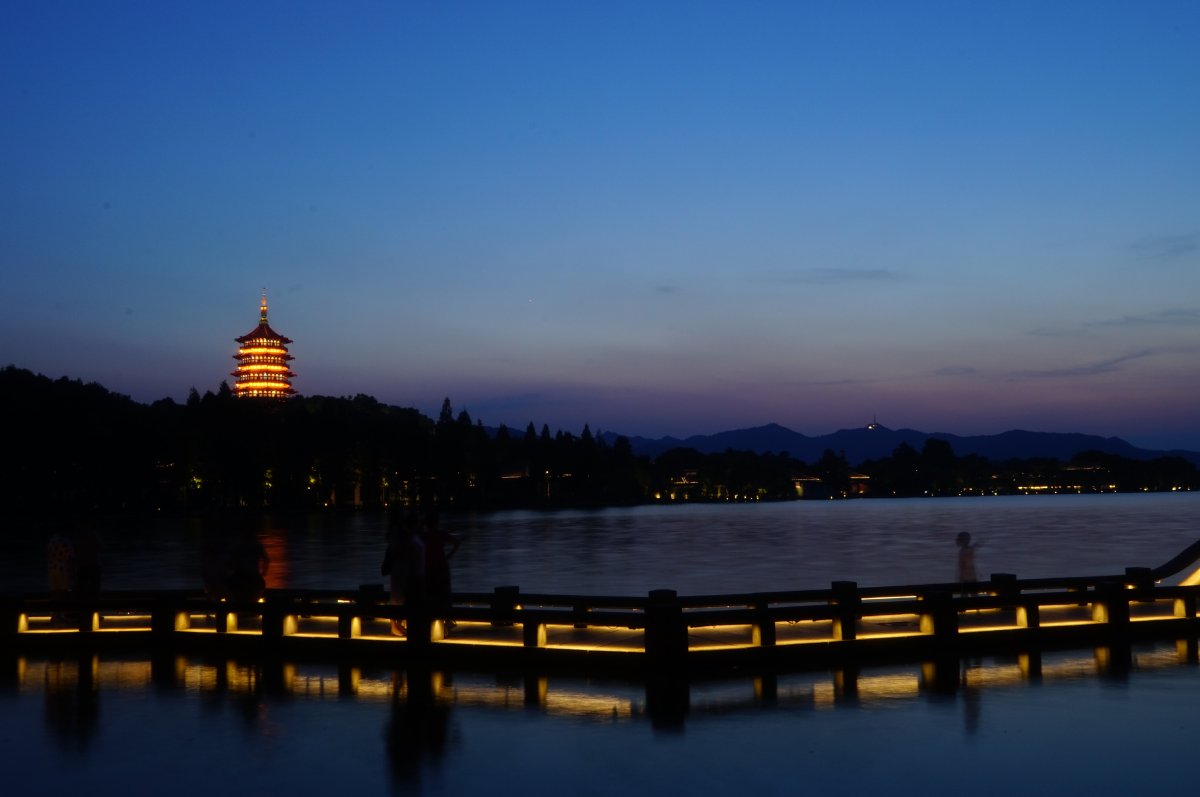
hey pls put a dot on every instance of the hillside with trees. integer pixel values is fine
(78, 447)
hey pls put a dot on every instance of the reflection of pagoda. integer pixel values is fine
(262, 370)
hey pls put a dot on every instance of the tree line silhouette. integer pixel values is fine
(79, 447)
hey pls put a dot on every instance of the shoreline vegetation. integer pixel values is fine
(81, 448)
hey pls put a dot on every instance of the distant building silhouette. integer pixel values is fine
(262, 369)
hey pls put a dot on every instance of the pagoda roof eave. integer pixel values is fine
(263, 331)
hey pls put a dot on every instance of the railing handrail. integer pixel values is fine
(1185, 558)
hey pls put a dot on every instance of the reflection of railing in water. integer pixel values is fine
(660, 632)
(571, 697)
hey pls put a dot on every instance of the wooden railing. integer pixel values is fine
(661, 628)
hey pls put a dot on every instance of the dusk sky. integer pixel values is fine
(651, 217)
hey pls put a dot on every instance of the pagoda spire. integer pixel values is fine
(262, 317)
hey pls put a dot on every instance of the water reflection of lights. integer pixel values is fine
(583, 699)
(870, 689)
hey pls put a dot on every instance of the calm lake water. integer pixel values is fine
(695, 549)
(194, 726)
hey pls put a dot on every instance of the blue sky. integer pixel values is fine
(653, 218)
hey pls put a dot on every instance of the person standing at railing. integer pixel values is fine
(404, 564)
(248, 565)
(966, 559)
(439, 547)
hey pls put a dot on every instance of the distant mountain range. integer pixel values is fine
(875, 442)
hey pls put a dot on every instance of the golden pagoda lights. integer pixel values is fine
(262, 370)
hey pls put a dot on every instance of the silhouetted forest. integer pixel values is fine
(76, 446)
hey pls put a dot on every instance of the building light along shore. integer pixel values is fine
(262, 370)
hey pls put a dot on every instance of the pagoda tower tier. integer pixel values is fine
(262, 370)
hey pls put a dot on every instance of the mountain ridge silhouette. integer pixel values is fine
(876, 441)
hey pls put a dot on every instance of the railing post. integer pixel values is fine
(1029, 614)
(370, 594)
(14, 619)
(349, 622)
(848, 604)
(166, 618)
(1004, 587)
(666, 635)
(533, 633)
(1111, 606)
(277, 619)
(419, 625)
(224, 619)
(762, 632)
(1140, 577)
(940, 619)
(1185, 605)
(89, 618)
(504, 605)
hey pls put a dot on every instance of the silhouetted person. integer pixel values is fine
(439, 547)
(404, 564)
(248, 563)
(966, 559)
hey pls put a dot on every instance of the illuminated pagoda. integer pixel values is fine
(262, 369)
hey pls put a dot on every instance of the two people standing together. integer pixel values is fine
(417, 563)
